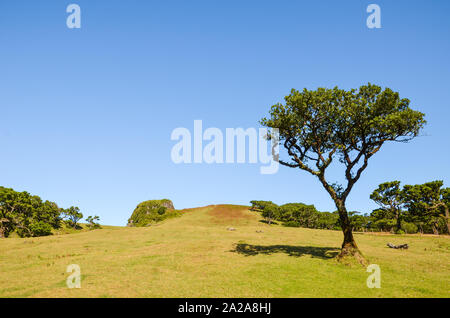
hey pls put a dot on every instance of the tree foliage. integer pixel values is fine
(93, 222)
(27, 214)
(421, 206)
(270, 212)
(259, 205)
(299, 214)
(296, 215)
(390, 198)
(428, 203)
(72, 215)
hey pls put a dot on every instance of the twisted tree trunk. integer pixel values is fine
(398, 220)
(447, 218)
(349, 247)
(3, 227)
(434, 226)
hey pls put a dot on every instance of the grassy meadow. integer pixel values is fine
(196, 255)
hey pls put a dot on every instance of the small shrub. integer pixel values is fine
(162, 210)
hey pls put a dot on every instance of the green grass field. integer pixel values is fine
(196, 256)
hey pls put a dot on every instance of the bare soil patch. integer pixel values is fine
(225, 213)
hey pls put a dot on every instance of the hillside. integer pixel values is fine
(196, 255)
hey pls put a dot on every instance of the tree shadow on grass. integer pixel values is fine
(297, 251)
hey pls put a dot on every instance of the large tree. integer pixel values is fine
(390, 198)
(73, 215)
(300, 214)
(429, 203)
(26, 214)
(317, 126)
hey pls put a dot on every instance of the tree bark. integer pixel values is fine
(447, 218)
(349, 247)
(435, 228)
(3, 227)
(398, 221)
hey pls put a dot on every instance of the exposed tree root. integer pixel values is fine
(350, 254)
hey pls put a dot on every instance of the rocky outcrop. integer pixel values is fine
(151, 211)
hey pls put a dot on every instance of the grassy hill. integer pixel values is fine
(195, 255)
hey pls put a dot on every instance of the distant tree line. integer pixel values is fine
(414, 208)
(296, 215)
(28, 215)
(420, 208)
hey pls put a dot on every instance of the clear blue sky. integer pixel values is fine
(86, 115)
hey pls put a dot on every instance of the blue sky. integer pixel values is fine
(86, 114)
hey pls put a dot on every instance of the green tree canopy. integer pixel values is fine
(73, 215)
(259, 205)
(299, 213)
(26, 214)
(93, 222)
(270, 212)
(389, 196)
(428, 203)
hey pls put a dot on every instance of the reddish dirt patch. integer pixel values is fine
(225, 213)
(188, 210)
